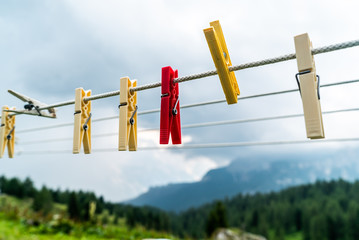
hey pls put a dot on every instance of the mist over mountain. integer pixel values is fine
(246, 176)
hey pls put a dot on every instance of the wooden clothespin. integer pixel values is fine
(308, 84)
(218, 47)
(82, 124)
(128, 116)
(170, 108)
(7, 132)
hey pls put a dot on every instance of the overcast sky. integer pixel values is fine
(49, 48)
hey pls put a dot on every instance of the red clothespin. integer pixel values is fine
(170, 108)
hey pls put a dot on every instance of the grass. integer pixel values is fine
(15, 215)
(16, 229)
(294, 236)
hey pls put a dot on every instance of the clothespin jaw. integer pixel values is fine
(218, 47)
(309, 87)
(128, 116)
(7, 132)
(170, 123)
(82, 122)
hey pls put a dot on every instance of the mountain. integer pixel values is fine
(245, 176)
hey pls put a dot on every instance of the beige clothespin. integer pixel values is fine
(7, 132)
(82, 124)
(128, 116)
(308, 84)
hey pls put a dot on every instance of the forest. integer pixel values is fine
(320, 211)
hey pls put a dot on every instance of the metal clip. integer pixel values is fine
(8, 137)
(132, 121)
(305, 72)
(122, 104)
(29, 106)
(174, 110)
(37, 110)
(87, 120)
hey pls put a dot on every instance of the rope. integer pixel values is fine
(190, 105)
(287, 57)
(71, 102)
(251, 96)
(61, 104)
(229, 122)
(283, 58)
(197, 125)
(291, 56)
(103, 95)
(335, 47)
(205, 145)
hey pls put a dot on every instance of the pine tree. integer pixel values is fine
(28, 188)
(318, 227)
(15, 188)
(43, 201)
(217, 218)
(130, 218)
(73, 206)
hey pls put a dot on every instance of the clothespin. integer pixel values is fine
(128, 116)
(7, 132)
(82, 124)
(218, 47)
(308, 84)
(170, 108)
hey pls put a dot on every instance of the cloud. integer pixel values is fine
(50, 48)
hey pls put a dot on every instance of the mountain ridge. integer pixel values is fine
(244, 176)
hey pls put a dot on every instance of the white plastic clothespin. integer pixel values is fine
(308, 83)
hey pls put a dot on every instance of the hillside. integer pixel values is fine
(244, 176)
(323, 210)
(30, 213)
(17, 223)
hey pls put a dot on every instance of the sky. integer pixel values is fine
(49, 48)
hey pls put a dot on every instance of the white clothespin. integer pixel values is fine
(308, 84)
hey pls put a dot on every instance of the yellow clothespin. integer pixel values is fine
(217, 46)
(7, 132)
(308, 84)
(128, 116)
(82, 124)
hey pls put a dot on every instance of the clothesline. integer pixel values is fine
(308, 85)
(283, 58)
(204, 145)
(195, 125)
(187, 106)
